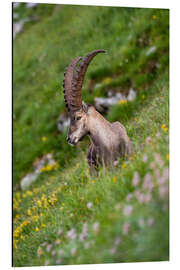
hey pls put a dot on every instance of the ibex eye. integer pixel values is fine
(78, 118)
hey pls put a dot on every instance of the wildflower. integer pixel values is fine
(83, 235)
(46, 262)
(158, 134)
(43, 138)
(22, 237)
(89, 205)
(29, 193)
(39, 252)
(96, 227)
(163, 191)
(148, 140)
(36, 229)
(148, 183)
(123, 101)
(29, 212)
(60, 231)
(73, 251)
(71, 234)
(113, 250)
(145, 158)
(158, 159)
(150, 221)
(164, 127)
(53, 253)
(147, 198)
(39, 203)
(143, 96)
(117, 241)
(114, 179)
(124, 165)
(127, 210)
(154, 17)
(152, 165)
(49, 247)
(129, 197)
(58, 241)
(107, 80)
(25, 223)
(43, 225)
(167, 157)
(136, 179)
(125, 229)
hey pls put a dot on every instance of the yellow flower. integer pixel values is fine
(15, 243)
(107, 80)
(123, 101)
(25, 223)
(154, 17)
(35, 218)
(124, 165)
(43, 138)
(164, 127)
(167, 157)
(36, 229)
(39, 203)
(143, 96)
(22, 237)
(29, 213)
(43, 225)
(114, 179)
(29, 193)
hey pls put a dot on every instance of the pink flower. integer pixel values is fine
(127, 210)
(71, 234)
(147, 198)
(158, 134)
(164, 191)
(83, 235)
(150, 221)
(60, 231)
(73, 251)
(96, 227)
(117, 241)
(136, 179)
(158, 159)
(145, 158)
(129, 197)
(126, 227)
(148, 183)
(113, 250)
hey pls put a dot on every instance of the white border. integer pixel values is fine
(5, 133)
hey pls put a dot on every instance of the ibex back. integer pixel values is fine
(108, 140)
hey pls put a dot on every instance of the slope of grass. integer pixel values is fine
(68, 217)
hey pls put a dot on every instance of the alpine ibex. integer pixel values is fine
(108, 140)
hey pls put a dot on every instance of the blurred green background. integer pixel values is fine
(46, 38)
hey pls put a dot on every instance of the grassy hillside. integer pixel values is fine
(68, 217)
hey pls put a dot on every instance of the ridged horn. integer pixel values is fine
(78, 78)
(67, 82)
(73, 81)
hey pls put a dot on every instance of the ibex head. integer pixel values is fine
(77, 109)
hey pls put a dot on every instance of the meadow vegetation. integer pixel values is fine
(68, 216)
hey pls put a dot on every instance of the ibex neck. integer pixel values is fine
(99, 129)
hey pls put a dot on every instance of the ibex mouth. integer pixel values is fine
(74, 142)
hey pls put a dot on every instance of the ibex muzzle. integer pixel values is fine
(108, 140)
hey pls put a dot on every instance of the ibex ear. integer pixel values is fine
(85, 107)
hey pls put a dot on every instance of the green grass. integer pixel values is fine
(59, 198)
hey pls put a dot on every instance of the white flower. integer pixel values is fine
(89, 205)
